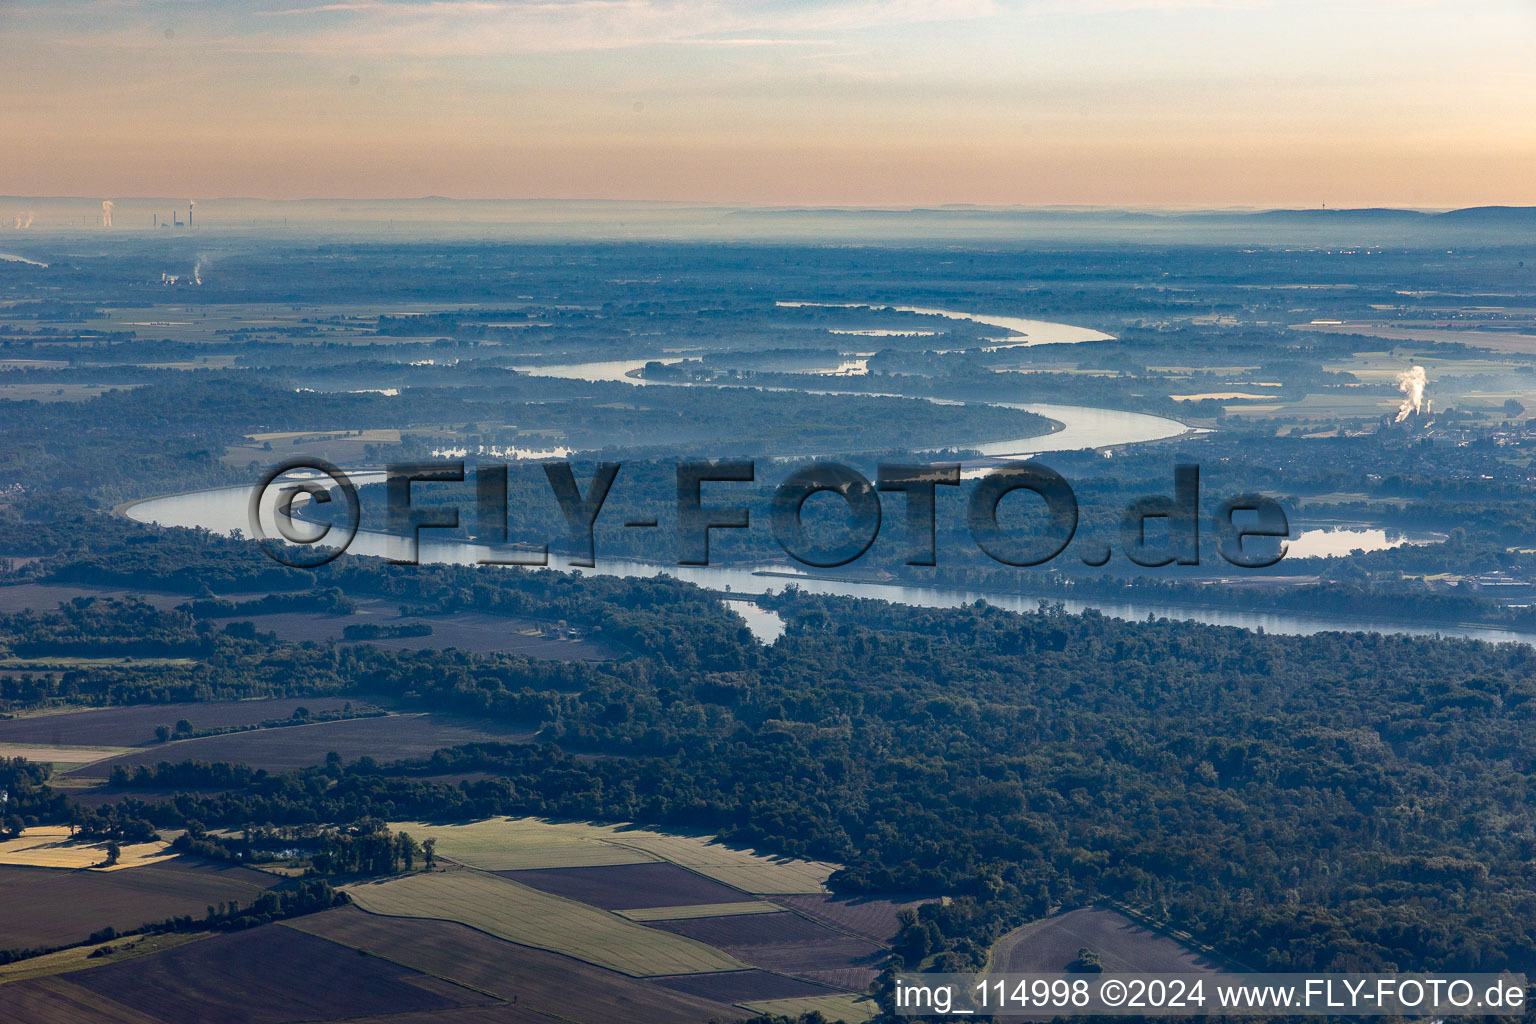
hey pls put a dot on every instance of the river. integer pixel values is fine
(224, 510)
(1081, 426)
(1035, 332)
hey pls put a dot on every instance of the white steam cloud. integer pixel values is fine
(1411, 383)
(106, 212)
(197, 273)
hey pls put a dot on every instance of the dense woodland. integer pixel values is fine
(1338, 801)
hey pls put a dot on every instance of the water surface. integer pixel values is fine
(224, 510)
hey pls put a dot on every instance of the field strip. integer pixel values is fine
(79, 957)
(516, 844)
(101, 1010)
(1003, 948)
(850, 1008)
(512, 844)
(43, 753)
(515, 912)
(50, 846)
(585, 855)
(698, 910)
(297, 924)
(1121, 941)
(756, 873)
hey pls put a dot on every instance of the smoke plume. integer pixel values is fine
(197, 273)
(106, 212)
(1411, 383)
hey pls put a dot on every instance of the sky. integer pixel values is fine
(1140, 103)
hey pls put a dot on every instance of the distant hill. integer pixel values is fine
(438, 217)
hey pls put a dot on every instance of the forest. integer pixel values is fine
(1343, 801)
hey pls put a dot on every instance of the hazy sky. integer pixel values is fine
(1110, 102)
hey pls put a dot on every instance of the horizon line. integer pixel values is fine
(1180, 208)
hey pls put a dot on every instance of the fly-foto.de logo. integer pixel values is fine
(1155, 530)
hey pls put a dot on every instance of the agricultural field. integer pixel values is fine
(630, 886)
(97, 954)
(1327, 405)
(45, 908)
(47, 597)
(56, 1001)
(691, 911)
(228, 978)
(134, 726)
(57, 392)
(1122, 944)
(521, 914)
(871, 917)
(747, 870)
(740, 987)
(512, 844)
(53, 846)
(467, 631)
(1493, 341)
(552, 985)
(740, 948)
(387, 739)
(60, 756)
(849, 1008)
(343, 447)
(787, 943)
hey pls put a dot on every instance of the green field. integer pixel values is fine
(41, 753)
(699, 910)
(850, 1008)
(520, 914)
(744, 869)
(78, 958)
(510, 844)
(516, 844)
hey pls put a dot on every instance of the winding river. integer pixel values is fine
(1081, 425)
(224, 510)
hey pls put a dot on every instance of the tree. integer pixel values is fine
(114, 854)
(407, 850)
(183, 726)
(14, 826)
(162, 733)
(1087, 962)
(429, 853)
